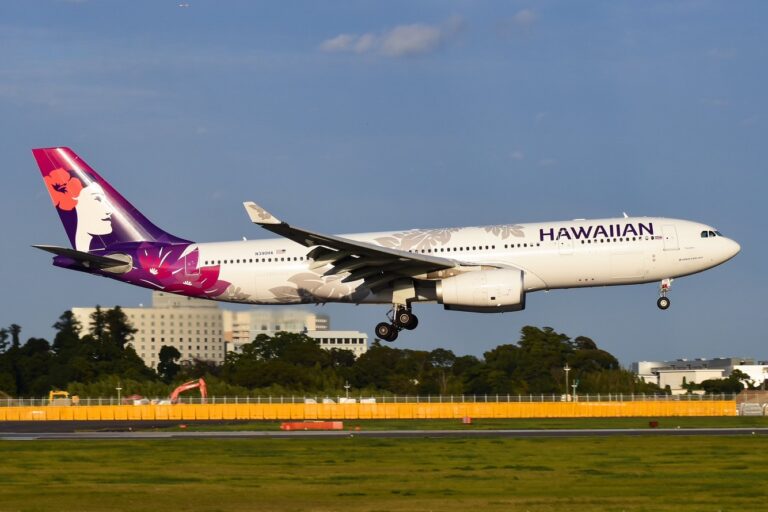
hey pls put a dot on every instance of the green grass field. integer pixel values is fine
(356, 474)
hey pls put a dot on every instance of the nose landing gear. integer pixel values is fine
(400, 317)
(663, 302)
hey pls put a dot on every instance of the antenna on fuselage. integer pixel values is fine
(625, 215)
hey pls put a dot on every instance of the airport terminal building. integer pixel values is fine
(201, 330)
(678, 372)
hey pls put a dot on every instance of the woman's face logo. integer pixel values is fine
(94, 213)
(90, 203)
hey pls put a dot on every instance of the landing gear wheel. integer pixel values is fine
(663, 303)
(387, 332)
(405, 319)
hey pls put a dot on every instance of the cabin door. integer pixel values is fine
(670, 238)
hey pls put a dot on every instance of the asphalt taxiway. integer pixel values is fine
(69, 431)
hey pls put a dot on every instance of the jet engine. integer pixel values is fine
(483, 291)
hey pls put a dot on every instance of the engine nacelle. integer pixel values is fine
(483, 291)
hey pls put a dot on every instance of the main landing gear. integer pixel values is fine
(400, 317)
(664, 302)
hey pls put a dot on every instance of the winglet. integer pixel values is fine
(259, 215)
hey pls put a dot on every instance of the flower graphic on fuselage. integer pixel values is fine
(168, 268)
(63, 188)
(159, 261)
(206, 284)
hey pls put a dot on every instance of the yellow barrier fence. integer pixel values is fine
(359, 411)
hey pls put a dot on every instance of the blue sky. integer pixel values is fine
(364, 116)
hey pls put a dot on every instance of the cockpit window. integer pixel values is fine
(719, 233)
(704, 234)
(712, 233)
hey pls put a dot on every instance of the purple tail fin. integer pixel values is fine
(94, 214)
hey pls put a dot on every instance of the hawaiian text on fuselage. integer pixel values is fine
(598, 231)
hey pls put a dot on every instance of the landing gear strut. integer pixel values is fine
(400, 317)
(664, 302)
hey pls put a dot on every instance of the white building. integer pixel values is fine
(758, 373)
(193, 326)
(355, 341)
(243, 326)
(200, 329)
(694, 371)
(676, 378)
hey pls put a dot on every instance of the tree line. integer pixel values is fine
(93, 360)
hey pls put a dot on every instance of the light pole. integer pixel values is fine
(567, 369)
(574, 386)
(119, 389)
(346, 387)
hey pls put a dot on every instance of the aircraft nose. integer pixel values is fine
(732, 248)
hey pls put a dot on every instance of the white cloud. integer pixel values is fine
(525, 17)
(410, 40)
(399, 41)
(340, 43)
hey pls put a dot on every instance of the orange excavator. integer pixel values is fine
(199, 383)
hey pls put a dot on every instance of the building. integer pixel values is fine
(201, 330)
(758, 373)
(243, 326)
(677, 378)
(193, 326)
(357, 342)
(678, 372)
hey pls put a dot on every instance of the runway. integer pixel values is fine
(97, 431)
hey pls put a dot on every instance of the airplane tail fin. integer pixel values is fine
(95, 215)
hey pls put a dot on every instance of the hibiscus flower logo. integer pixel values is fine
(158, 261)
(63, 188)
(165, 267)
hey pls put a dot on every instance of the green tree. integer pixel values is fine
(292, 360)
(119, 331)
(67, 338)
(98, 325)
(15, 330)
(168, 367)
(442, 362)
(33, 366)
(4, 335)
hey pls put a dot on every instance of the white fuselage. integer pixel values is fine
(552, 255)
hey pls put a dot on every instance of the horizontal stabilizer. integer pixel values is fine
(115, 263)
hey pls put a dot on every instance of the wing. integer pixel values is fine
(377, 266)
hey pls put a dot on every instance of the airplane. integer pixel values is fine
(485, 269)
